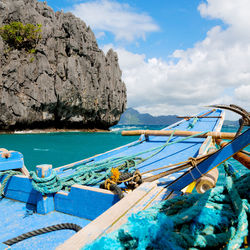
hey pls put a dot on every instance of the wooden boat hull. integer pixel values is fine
(84, 204)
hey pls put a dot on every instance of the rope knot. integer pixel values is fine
(107, 183)
(135, 180)
(193, 161)
(112, 186)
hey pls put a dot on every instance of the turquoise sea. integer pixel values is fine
(60, 149)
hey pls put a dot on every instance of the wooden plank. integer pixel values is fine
(213, 161)
(205, 149)
(163, 195)
(145, 202)
(240, 157)
(184, 133)
(208, 142)
(189, 117)
(14, 161)
(221, 121)
(25, 171)
(84, 201)
(19, 188)
(101, 224)
(200, 116)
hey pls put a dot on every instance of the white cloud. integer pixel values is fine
(215, 70)
(234, 13)
(119, 19)
(100, 35)
(242, 93)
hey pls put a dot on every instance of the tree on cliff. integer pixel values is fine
(21, 36)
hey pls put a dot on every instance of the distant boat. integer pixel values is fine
(138, 175)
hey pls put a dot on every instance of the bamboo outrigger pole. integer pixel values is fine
(215, 135)
(240, 156)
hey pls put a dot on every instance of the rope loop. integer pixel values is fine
(9, 174)
(47, 185)
(193, 161)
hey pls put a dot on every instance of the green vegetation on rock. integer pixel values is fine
(21, 36)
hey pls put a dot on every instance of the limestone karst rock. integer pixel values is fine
(68, 83)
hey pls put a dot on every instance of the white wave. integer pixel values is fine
(125, 127)
(41, 149)
(115, 129)
(23, 132)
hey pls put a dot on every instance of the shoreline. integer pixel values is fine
(54, 130)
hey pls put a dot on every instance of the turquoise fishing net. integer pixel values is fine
(216, 219)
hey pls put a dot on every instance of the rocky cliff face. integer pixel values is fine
(67, 83)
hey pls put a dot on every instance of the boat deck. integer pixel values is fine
(171, 154)
(18, 218)
(87, 202)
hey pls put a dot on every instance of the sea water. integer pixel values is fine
(60, 149)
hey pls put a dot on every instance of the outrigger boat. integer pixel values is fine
(95, 196)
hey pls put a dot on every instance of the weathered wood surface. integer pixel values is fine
(240, 157)
(189, 117)
(216, 135)
(141, 205)
(104, 222)
(213, 161)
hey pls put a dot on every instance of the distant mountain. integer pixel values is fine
(231, 123)
(132, 116)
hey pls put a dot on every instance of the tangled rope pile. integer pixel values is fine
(90, 175)
(131, 181)
(96, 172)
(216, 219)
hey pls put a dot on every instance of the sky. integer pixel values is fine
(176, 56)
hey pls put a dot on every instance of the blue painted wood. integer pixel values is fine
(18, 218)
(3, 246)
(15, 161)
(88, 202)
(84, 202)
(45, 203)
(170, 155)
(213, 161)
(19, 188)
(44, 170)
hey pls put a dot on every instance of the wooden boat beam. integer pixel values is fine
(189, 117)
(215, 135)
(240, 156)
(213, 161)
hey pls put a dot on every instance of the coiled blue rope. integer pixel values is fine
(94, 173)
